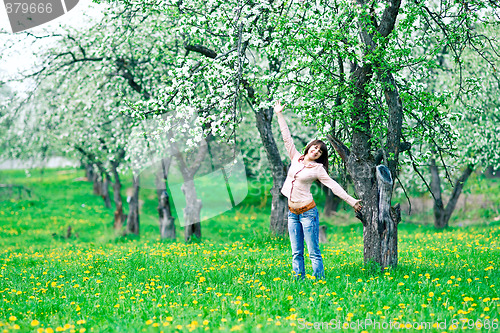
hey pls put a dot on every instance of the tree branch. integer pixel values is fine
(341, 149)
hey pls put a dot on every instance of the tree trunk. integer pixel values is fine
(279, 203)
(442, 214)
(117, 197)
(191, 212)
(97, 184)
(89, 172)
(439, 221)
(380, 221)
(105, 191)
(492, 173)
(331, 201)
(322, 234)
(166, 220)
(133, 215)
(374, 184)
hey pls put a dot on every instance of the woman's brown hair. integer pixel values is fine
(323, 159)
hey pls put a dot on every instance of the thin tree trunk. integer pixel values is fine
(439, 220)
(279, 203)
(278, 223)
(133, 215)
(443, 214)
(105, 191)
(120, 217)
(457, 190)
(331, 201)
(97, 184)
(165, 218)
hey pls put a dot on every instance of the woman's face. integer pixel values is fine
(314, 152)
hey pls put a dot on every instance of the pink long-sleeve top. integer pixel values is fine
(297, 186)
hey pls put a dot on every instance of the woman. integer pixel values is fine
(303, 218)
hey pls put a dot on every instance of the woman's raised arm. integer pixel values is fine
(285, 132)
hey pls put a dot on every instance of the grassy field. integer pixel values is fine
(237, 279)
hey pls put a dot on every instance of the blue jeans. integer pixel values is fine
(300, 227)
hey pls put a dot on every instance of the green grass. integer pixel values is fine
(237, 279)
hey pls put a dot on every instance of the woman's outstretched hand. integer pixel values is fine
(357, 206)
(278, 108)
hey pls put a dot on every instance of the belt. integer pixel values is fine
(302, 209)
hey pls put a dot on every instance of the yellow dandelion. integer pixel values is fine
(35, 322)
